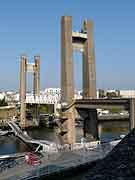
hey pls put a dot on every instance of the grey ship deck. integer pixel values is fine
(57, 163)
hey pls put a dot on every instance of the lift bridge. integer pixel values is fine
(71, 41)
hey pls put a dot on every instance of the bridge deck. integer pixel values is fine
(102, 103)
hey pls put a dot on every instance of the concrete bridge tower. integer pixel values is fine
(82, 41)
(23, 64)
(77, 41)
(35, 69)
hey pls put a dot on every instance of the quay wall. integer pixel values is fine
(6, 112)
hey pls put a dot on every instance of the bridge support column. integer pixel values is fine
(91, 124)
(89, 66)
(36, 114)
(36, 77)
(132, 114)
(36, 88)
(23, 90)
(67, 84)
(67, 127)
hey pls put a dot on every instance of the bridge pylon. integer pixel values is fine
(82, 41)
(35, 69)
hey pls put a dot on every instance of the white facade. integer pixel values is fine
(2, 95)
(127, 93)
(49, 96)
(53, 95)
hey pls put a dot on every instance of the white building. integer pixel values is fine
(47, 96)
(127, 93)
(2, 95)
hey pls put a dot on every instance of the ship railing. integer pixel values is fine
(49, 166)
(48, 169)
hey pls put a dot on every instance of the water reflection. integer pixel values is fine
(11, 144)
(111, 130)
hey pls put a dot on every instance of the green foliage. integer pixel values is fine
(111, 94)
(3, 102)
(115, 110)
(44, 109)
(101, 93)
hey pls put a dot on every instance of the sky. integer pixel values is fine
(32, 27)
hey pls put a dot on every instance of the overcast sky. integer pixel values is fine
(32, 27)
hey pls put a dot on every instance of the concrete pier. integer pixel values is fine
(91, 124)
(132, 114)
(68, 127)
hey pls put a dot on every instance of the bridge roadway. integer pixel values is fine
(113, 117)
(46, 145)
(121, 103)
(87, 109)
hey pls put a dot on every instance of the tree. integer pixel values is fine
(3, 102)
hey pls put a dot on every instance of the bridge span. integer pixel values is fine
(112, 117)
(121, 103)
(87, 109)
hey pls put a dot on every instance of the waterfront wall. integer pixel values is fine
(7, 112)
